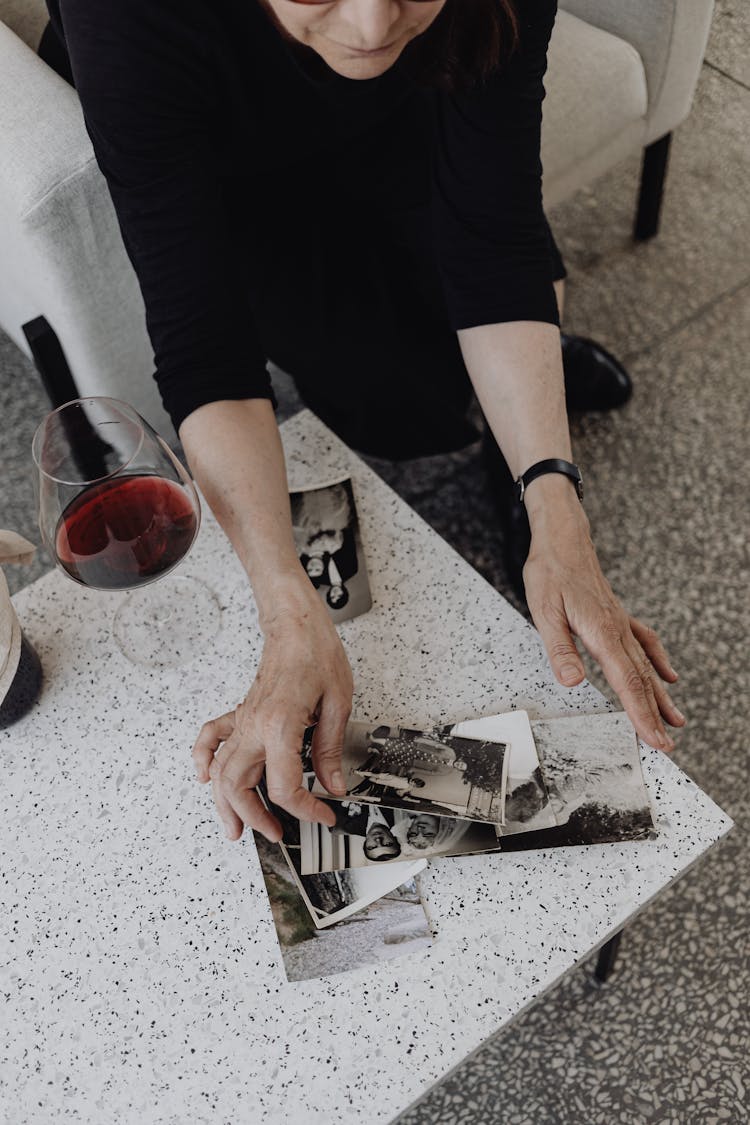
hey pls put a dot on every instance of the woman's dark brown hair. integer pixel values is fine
(465, 44)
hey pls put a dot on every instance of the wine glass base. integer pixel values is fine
(167, 623)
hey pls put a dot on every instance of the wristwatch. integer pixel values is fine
(551, 465)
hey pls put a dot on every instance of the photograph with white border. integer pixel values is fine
(329, 545)
(592, 768)
(438, 772)
(527, 802)
(392, 925)
(366, 835)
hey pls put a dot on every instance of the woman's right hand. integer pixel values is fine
(303, 679)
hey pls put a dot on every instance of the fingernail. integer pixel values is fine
(570, 672)
(663, 741)
(337, 780)
(678, 713)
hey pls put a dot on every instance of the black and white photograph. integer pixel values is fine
(375, 924)
(372, 834)
(329, 545)
(366, 834)
(438, 773)
(592, 768)
(527, 802)
(330, 899)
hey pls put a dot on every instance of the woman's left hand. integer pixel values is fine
(569, 597)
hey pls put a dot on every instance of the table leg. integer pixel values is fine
(607, 955)
(653, 174)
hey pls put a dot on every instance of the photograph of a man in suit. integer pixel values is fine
(374, 823)
(331, 560)
(380, 843)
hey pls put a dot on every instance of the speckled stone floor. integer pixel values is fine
(667, 1040)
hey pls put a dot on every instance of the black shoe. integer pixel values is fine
(594, 379)
(512, 514)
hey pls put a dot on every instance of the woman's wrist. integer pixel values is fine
(551, 502)
(287, 594)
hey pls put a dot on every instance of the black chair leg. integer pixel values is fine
(607, 956)
(653, 174)
(50, 361)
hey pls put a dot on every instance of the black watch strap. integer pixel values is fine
(551, 465)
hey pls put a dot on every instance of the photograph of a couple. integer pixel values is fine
(372, 834)
(439, 773)
(329, 545)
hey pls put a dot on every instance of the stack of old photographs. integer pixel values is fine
(348, 896)
(483, 786)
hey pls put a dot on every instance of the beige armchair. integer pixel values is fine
(621, 77)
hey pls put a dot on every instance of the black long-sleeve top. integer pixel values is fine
(186, 101)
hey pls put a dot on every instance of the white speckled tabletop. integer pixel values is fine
(139, 970)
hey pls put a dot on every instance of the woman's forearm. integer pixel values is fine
(516, 370)
(303, 678)
(235, 452)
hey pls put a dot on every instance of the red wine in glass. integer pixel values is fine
(122, 533)
(117, 510)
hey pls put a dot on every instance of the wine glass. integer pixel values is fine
(117, 510)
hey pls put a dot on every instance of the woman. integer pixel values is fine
(353, 189)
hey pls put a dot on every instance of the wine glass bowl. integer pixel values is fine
(116, 508)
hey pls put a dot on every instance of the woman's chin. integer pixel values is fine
(360, 67)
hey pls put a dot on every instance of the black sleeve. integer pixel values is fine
(142, 73)
(491, 236)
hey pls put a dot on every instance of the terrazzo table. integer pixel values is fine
(139, 969)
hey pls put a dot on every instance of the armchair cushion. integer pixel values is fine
(60, 246)
(596, 105)
(35, 160)
(670, 36)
